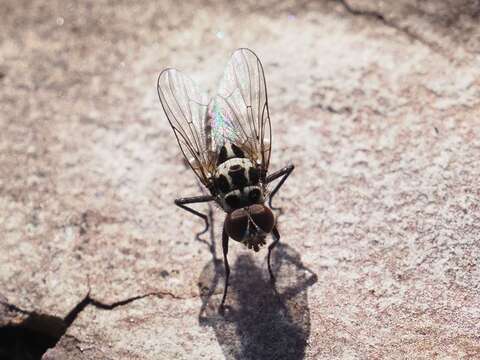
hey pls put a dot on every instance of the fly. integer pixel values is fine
(227, 143)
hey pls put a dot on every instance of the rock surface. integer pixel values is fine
(376, 103)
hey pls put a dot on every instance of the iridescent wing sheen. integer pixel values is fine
(186, 110)
(239, 112)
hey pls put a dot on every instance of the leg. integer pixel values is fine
(284, 173)
(194, 200)
(276, 239)
(227, 268)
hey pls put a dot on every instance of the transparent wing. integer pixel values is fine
(239, 113)
(186, 110)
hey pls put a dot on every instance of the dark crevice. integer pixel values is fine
(22, 343)
(405, 30)
(103, 306)
(72, 315)
(31, 338)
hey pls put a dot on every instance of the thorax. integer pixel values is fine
(237, 181)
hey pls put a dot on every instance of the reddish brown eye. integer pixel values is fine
(262, 216)
(236, 224)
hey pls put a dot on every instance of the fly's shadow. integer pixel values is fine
(261, 321)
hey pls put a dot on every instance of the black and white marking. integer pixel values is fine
(237, 179)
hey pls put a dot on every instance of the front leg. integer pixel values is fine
(182, 202)
(276, 239)
(227, 268)
(284, 173)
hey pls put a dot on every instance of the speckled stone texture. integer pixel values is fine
(376, 103)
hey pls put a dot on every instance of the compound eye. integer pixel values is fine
(233, 201)
(236, 224)
(254, 195)
(263, 217)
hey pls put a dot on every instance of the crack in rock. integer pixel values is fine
(98, 304)
(405, 30)
(32, 337)
(88, 300)
(29, 338)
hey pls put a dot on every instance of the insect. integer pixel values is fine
(227, 143)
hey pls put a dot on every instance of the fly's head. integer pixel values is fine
(250, 225)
